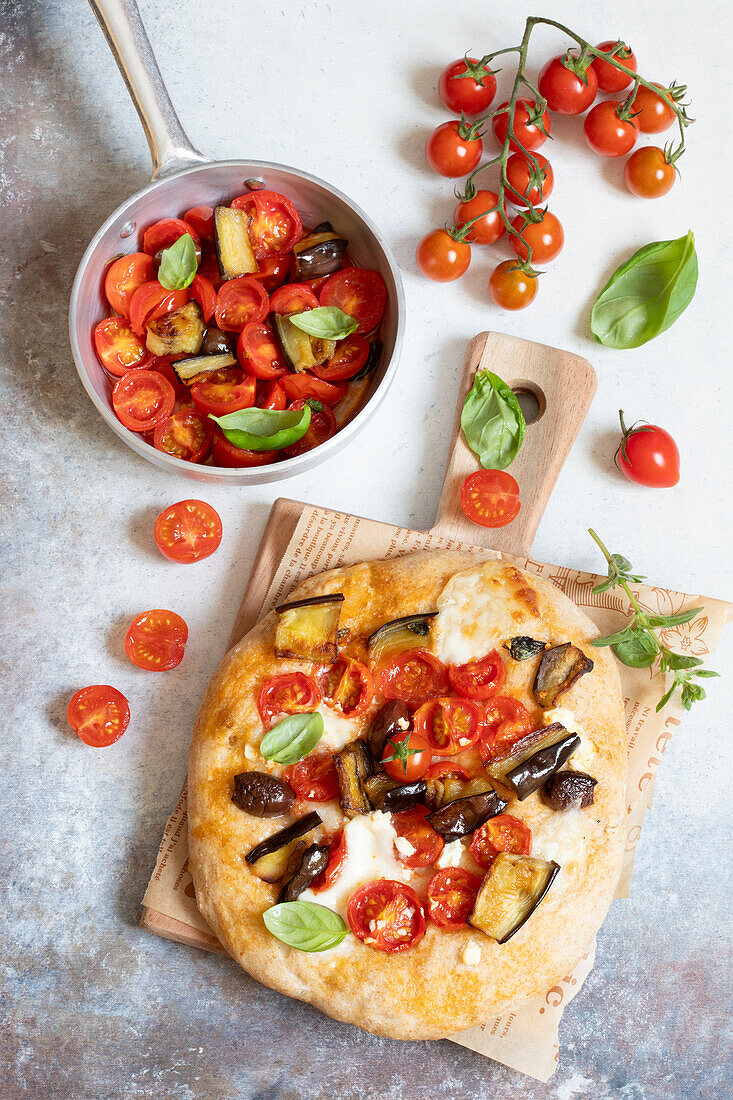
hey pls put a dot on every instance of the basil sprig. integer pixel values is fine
(293, 738)
(264, 429)
(325, 322)
(647, 294)
(305, 925)
(178, 264)
(492, 421)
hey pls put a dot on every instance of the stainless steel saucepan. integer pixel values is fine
(182, 177)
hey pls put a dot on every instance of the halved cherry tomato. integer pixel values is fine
(225, 453)
(185, 434)
(505, 721)
(427, 844)
(142, 400)
(156, 640)
(165, 233)
(611, 79)
(163, 367)
(449, 725)
(259, 352)
(201, 218)
(528, 133)
(223, 391)
(99, 715)
(209, 267)
(300, 386)
(203, 292)
(351, 355)
(293, 298)
(150, 301)
(546, 238)
(288, 693)
(271, 395)
(446, 767)
(188, 531)
(479, 679)
(360, 293)
(565, 91)
(346, 685)
(414, 677)
(240, 302)
(275, 224)
(490, 498)
(322, 427)
(406, 756)
(489, 228)
(274, 270)
(387, 915)
(118, 348)
(502, 833)
(335, 865)
(451, 897)
(652, 113)
(519, 173)
(123, 278)
(314, 778)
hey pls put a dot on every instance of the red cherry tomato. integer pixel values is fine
(123, 278)
(275, 224)
(427, 844)
(489, 228)
(142, 400)
(606, 133)
(505, 721)
(648, 174)
(648, 456)
(165, 233)
(298, 387)
(314, 778)
(223, 391)
(163, 367)
(274, 270)
(209, 267)
(188, 531)
(156, 640)
(335, 865)
(288, 693)
(442, 258)
(225, 453)
(546, 238)
(203, 292)
(502, 833)
(565, 91)
(359, 292)
(99, 715)
(201, 218)
(452, 151)
(259, 352)
(293, 298)
(151, 301)
(479, 679)
(609, 78)
(118, 348)
(519, 175)
(406, 756)
(446, 767)
(322, 427)
(271, 395)
(449, 725)
(240, 302)
(186, 434)
(451, 897)
(350, 356)
(490, 498)
(528, 133)
(511, 288)
(652, 113)
(469, 94)
(387, 915)
(347, 686)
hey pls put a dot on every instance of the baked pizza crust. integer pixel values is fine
(427, 992)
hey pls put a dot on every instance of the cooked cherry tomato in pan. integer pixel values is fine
(201, 218)
(511, 288)
(163, 367)
(488, 228)
(165, 233)
(293, 298)
(406, 756)
(505, 721)
(288, 693)
(226, 454)
(648, 173)
(451, 897)
(186, 434)
(478, 679)
(611, 79)
(528, 133)
(271, 395)
(648, 455)
(224, 391)
(490, 498)
(274, 270)
(142, 400)
(387, 915)
(322, 427)
(188, 531)
(118, 348)
(335, 865)
(453, 149)
(470, 94)
(606, 133)
(449, 725)
(240, 302)
(414, 677)
(275, 224)
(314, 778)
(426, 843)
(441, 257)
(440, 768)
(151, 301)
(502, 833)
(202, 291)
(565, 91)
(259, 352)
(358, 292)
(546, 238)
(123, 278)
(209, 267)
(346, 685)
(350, 356)
(99, 715)
(519, 174)
(652, 113)
(298, 387)
(156, 640)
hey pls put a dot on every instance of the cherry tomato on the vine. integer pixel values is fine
(453, 149)
(546, 238)
(467, 88)
(489, 228)
(519, 176)
(565, 91)
(608, 134)
(648, 455)
(648, 173)
(510, 287)
(528, 133)
(442, 258)
(652, 113)
(609, 78)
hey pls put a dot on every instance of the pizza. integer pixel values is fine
(406, 793)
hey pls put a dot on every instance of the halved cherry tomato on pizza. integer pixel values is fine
(99, 715)
(142, 400)
(188, 531)
(451, 897)
(275, 224)
(288, 693)
(414, 677)
(224, 391)
(225, 453)
(123, 278)
(298, 387)
(293, 298)
(502, 833)
(156, 640)
(240, 302)
(387, 915)
(201, 218)
(151, 301)
(314, 778)
(448, 724)
(351, 355)
(186, 434)
(259, 352)
(358, 292)
(118, 348)
(165, 233)
(490, 498)
(274, 270)
(271, 395)
(505, 721)
(406, 756)
(426, 843)
(446, 767)
(479, 679)
(346, 685)
(322, 427)
(335, 865)
(203, 292)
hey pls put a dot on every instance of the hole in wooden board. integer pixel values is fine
(531, 400)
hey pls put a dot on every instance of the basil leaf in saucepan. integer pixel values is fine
(264, 429)
(647, 294)
(293, 738)
(492, 421)
(325, 322)
(305, 926)
(178, 264)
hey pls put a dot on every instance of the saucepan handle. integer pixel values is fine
(123, 28)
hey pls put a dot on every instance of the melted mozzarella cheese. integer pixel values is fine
(482, 607)
(339, 730)
(561, 837)
(583, 758)
(453, 855)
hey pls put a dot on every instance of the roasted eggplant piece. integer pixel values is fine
(511, 891)
(315, 860)
(233, 248)
(262, 795)
(188, 370)
(180, 332)
(353, 766)
(522, 648)
(569, 790)
(392, 718)
(399, 635)
(465, 815)
(392, 796)
(308, 629)
(450, 788)
(301, 351)
(217, 342)
(558, 670)
(320, 253)
(270, 858)
(373, 359)
(522, 749)
(530, 774)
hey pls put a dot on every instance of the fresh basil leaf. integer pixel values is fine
(305, 925)
(325, 322)
(492, 421)
(647, 294)
(293, 738)
(264, 429)
(178, 264)
(658, 621)
(640, 651)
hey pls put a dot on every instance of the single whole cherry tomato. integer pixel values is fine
(186, 434)
(288, 693)
(505, 721)
(223, 391)
(652, 113)
(165, 233)
(611, 79)
(648, 455)
(274, 270)
(451, 897)
(188, 531)
(350, 356)
(439, 768)
(480, 678)
(124, 276)
(347, 686)
(387, 915)
(99, 715)
(449, 725)
(143, 399)
(240, 302)
(414, 677)
(359, 292)
(453, 149)
(519, 176)
(489, 228)
(490, 498)
(202, 291)
(528, 133)
(502, 833)
(546, 237)
(259, 352)
(293, 298)
(156, 640)
(406, 756)
(567, 92)
(648, 173)
(322, 426)
(606, 132)
(151, 301)
(314, 778)
(201, 218)
(511, 288)
(419, 833)
(335, 865)
(270, 395)
(275, 224)
(441, 257)
(226, 454)
(118, 348)
(467, 86)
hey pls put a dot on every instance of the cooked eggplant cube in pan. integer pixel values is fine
(233, 248)
(320, 253)
(300, 350)
(307, 630)
(510, 892)
(189, 369)
(180, 332)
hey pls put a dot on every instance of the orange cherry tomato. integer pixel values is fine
(442, 258)
(648, 174)
(346, 685)
(156, 640)
(545, 237)
(510, 287)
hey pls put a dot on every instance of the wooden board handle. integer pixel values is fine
(564, 385)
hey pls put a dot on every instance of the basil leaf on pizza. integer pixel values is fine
(492, 421)
(305, 925)
(293, 738)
